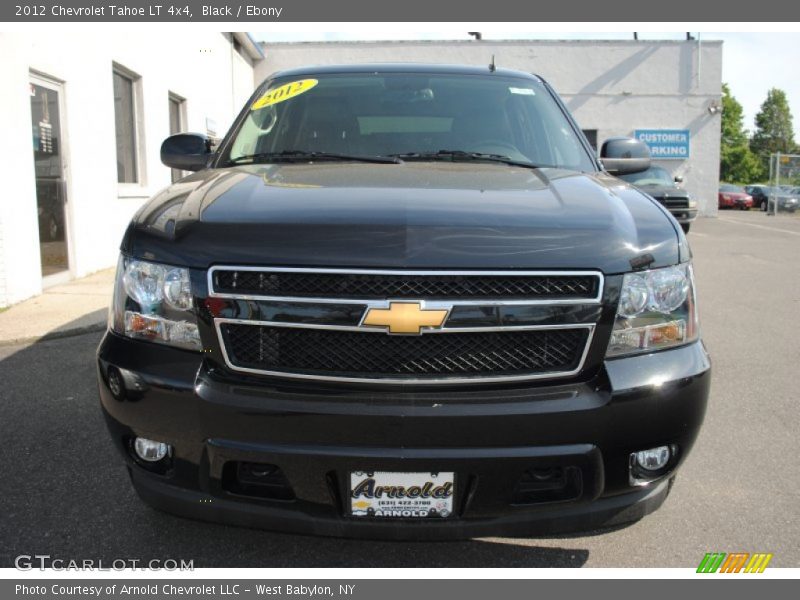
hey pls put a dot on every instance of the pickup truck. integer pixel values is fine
(662, 186)
(404, 301)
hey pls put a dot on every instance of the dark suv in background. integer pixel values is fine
(765, 196)
(658, 183)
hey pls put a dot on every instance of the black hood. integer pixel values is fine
(431, 215)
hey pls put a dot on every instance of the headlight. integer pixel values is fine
(657, 310)
(153, 302)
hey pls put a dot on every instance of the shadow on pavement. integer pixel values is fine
(89, 323)
(66, 493)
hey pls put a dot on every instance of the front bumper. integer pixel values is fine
(316, 435)
(684, 215)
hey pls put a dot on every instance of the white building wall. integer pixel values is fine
(202, 68)
(612, 86)
(19, 255)
(3, 289)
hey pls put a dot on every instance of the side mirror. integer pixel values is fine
(186, 151)
(622, 155)
(678, 179)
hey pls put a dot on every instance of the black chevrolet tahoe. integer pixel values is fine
(409, 302)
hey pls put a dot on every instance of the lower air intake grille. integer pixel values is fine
(349, 354)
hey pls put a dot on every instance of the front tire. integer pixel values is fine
(686, 227)
(763, 206)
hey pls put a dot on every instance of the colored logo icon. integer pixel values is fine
(736, 562)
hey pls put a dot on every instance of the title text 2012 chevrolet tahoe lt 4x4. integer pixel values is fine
(404, 301)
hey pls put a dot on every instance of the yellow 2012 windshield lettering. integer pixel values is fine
(283, 93)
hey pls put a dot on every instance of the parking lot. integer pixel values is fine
(65, 492)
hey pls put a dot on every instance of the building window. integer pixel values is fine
(591, 136)
(126, 124)
(177, 123)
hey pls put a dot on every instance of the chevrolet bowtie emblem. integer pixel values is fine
(404, 317)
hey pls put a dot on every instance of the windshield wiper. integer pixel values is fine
(302, 155)
(463, 155)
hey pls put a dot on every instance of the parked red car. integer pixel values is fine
(734, 196)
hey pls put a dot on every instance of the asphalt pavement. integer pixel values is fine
(65, 492)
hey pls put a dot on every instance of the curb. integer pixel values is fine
(55, 335)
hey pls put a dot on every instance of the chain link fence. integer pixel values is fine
(783, 198)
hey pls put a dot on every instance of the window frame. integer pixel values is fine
(133, 188)
(180, 102)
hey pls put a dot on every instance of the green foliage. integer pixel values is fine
(737, 162)
(774, 129)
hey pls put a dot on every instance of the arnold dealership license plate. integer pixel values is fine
(401, 495)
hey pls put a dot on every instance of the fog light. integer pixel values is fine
(653, 459)
(150, 450)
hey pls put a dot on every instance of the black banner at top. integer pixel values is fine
(250, 11)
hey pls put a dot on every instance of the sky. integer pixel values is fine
(752, 63)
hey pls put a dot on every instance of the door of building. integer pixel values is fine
(51, 185)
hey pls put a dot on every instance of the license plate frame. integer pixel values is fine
(407, 495)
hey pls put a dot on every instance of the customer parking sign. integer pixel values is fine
(665, 143)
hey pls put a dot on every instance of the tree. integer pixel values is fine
(737, 163)
(774, 129)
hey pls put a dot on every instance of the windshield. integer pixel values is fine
(761, 189)
(652, 176)
(733, 189)
(367, 115)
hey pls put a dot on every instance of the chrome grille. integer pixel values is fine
(382, 285)
(307, 339)
(676, 202)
